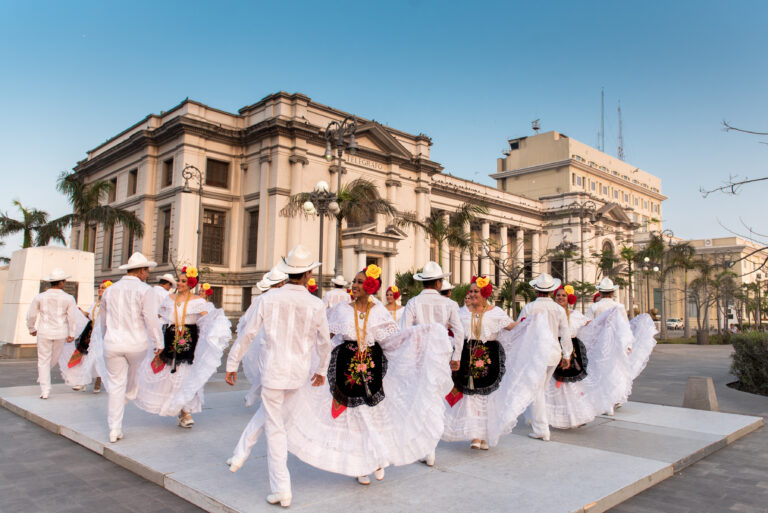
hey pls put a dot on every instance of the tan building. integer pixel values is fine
(252, 161)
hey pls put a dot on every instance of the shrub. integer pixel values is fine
(750, 361)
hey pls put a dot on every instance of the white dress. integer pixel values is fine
(525, 356)
(169, 391)
(406, 419)
(92, 363)
(643, 332)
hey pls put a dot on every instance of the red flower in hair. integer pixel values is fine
(484, 284)
(395, 292)
(209, 292)
(192, 282)
(371, 285)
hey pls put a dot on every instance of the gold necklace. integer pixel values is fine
(476, 324)
(361, 344)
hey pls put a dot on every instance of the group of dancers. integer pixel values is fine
(346, 383)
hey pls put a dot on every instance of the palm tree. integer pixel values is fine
(4, 260)
(359, 202)
(87, 208)
(682, 256)
(452, 231)
(32, 222)
(628, 255)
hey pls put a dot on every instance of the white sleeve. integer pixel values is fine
(239, 349)
(34, 309)
(458, 333)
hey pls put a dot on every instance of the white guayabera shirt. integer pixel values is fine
(56, 310)
(430, 306)
(334, 297)
(129, 317)
(558, 324)
(294, 322)
(605, 304)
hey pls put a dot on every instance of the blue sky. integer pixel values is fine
(469, 76)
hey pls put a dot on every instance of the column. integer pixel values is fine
(456, 277)
(485, 233)
(519, 254)
(466, 267)
(503, 250)
(296, 163)
(420, 247)
(444, 261)
(361, 257)
(535, 255)
(263, 258)
(390, 271)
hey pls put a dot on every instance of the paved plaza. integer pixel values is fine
(728, 479)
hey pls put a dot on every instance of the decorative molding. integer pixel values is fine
(265, 158)
(279, 191)
(393, 183)
(422, 189)
(293, 159)
(333, 168)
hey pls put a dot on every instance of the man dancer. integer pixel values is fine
(294, 325)
(338, 294)
(430, 306)
(544, 286)
(128, 317)
(57, 311)
(163, 287)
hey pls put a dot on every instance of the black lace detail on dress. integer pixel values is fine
(347, 392)
(578, 369)
(489, 379)
(84, 340)
(178, 355)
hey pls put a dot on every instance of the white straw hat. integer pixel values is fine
(57, 274)
(340, 281)
(169, 278)
(137, 261)
(607, 285)
(431, 271)
(275, 276)
(446, 286)
(545, 283)
(298, 261)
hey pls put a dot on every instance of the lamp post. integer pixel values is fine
(320, 202)
(758, 277)
(584, 208)
(340, 136)
(648, 267)
(565, 248)
(188, 173)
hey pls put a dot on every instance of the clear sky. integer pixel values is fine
(468, 74)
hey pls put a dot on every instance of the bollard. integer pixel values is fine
(700, 394)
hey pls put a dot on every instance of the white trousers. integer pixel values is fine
(122, 371)
(539, 420)
(250, 436)
(272, 403)
(48, 352)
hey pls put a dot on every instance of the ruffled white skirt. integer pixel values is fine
(167, 393)
(404, 427)
(527, 349)
(643, 332)
(92, 364)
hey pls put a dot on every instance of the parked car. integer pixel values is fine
(674, 324)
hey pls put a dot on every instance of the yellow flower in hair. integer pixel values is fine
(569, 290)
(191, 272)
(482, 282)
(206, 286)
(395, 289)
(311, 282)
(373, 271)
(107, 283)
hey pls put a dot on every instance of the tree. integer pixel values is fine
(34, 226)
(4, 260)
(683, 257)
(452, 232)
(703, 292)
(628, 256)
(87, 208)
(359, 202)
(727, 287)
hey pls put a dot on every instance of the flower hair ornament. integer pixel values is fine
(395, 292)
(372, 282)
(312, 285)
(106, 283)
(572, 298)
(191, 273)
(207, 290)
(484, 284)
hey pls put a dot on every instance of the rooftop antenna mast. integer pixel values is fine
(536, 125)
(602, 119)
(621, 137)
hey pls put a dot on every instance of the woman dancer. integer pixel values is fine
(393, 294)
(500, 370)
(81, 361)
(196, 334)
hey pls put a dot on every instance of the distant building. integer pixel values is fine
(254, 160)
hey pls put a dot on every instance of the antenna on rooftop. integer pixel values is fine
(621, 137)
(536, 125)
(602, 119)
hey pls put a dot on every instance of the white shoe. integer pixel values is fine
(364, 480)
(78, 388)
(544, 437)
(429, 460)
(610, 412)
(235, 464)
(283, 498)
(378, 474)
(185, 420)
(97, 386)
(44, 395)
(115, 435)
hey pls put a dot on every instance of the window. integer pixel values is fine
(615, 194)
(217, 173)
(167, 172)
(578, 180)
(636, 202)
(214, 224)
(164, 235)
(127, 245)
(645, 205)
(592, 185)
(113, 190)
(217, 297)
(109, 236)
(133, 178)
(626, 198)
(514, 145)
(247, 297)
(252, 237)
(605, 190)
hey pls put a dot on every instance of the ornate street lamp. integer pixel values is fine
(649, 267)
(586, 208)
(320, 202)
(340, 136)
(188, 173)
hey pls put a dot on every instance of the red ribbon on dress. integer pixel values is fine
(75, 359)
(337, 409)
(157, 364)
(454, 396)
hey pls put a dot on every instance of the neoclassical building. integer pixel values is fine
(254, 160)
